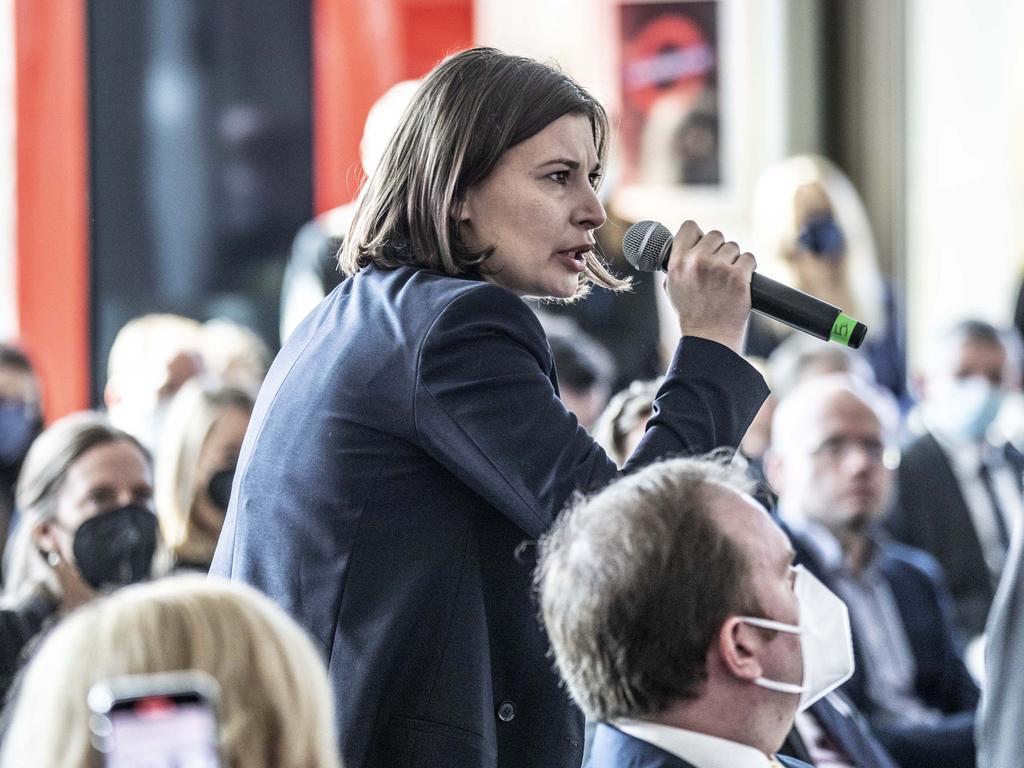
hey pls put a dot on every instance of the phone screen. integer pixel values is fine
(162, 731)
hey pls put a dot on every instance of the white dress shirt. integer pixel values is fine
(698, 749)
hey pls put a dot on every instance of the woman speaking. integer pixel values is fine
(409, 445)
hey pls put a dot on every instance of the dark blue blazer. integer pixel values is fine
(407, 448)
(930, 513)
(615, 749)
(942, 680)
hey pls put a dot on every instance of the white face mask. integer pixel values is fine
(825, 640)
(964, 409)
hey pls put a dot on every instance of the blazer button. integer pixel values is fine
(506, 711)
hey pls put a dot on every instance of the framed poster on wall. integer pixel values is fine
(671, 113)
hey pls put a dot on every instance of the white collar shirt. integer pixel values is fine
(698, 749)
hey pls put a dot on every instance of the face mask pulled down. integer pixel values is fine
(825, 641)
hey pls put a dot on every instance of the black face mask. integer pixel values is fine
(823, 237)
(219, 487)
(116, 548)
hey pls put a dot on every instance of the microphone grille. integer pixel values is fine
(645, 245)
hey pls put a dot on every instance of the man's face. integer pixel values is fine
(769, 559)
(974, 359)
(833, 471)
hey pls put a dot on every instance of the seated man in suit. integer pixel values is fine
(831, 439)
(679, 624)
(959, 495)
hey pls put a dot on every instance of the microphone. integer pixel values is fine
(647, 246)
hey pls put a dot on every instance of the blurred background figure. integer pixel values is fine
(813, 233)
(831, 461)
(959, 493)
(312, 270)
(87, 526)
(234, 354)
(624, 420)
(21, 419)
(274, 708)
(199, 448)
(583, 366)
(152, 356)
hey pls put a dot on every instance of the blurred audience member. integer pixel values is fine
(87, 526)
(801, 357)
(624, 420)
(959, 495)
(831, 439)
(813, 233)
(583, 367)
(199, 448)
(21, 419)
(274, 705)
(678, 623)
(151, 357)
(312, 270)
(234, 355)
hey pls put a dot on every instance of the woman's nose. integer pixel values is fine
(591, 213)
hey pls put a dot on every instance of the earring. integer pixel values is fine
(53, 559)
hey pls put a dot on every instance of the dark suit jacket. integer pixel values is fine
(930, 514)
(942, 680)
(406, 443)
(841, 722)
(615, 749)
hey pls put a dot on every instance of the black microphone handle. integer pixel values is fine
(804, 312)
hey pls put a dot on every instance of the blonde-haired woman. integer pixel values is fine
(87, 527)
(274, 706)
(813, 233)
(198, 451)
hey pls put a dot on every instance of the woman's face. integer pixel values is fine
(538, 210)
(219, 452)
(104, 478)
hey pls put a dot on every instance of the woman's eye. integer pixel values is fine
(595, 180)
(561, 177)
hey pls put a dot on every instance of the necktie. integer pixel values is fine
(986, 479)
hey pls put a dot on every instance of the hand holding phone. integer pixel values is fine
(166, 720)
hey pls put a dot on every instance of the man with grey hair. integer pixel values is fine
(831, 461)
(679, 623)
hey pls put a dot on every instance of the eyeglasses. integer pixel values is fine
(836, 449)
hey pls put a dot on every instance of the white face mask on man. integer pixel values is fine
(825, 640)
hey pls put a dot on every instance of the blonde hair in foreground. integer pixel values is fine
(275, 707)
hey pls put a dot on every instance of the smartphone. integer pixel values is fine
(166, 720)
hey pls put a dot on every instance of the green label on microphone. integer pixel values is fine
(842, 328)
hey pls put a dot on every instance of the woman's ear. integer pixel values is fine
(464, 207)
(739, 647)
(44, 537)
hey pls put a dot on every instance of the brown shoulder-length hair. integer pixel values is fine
(469, 110)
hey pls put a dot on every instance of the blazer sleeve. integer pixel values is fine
(485, 407)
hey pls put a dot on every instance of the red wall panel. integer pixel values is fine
(52, 217)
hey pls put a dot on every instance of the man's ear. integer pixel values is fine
(739, 646)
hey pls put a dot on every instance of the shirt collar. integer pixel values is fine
(699, 749)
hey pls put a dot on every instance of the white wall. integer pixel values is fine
(965, 207)
(8, 314)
